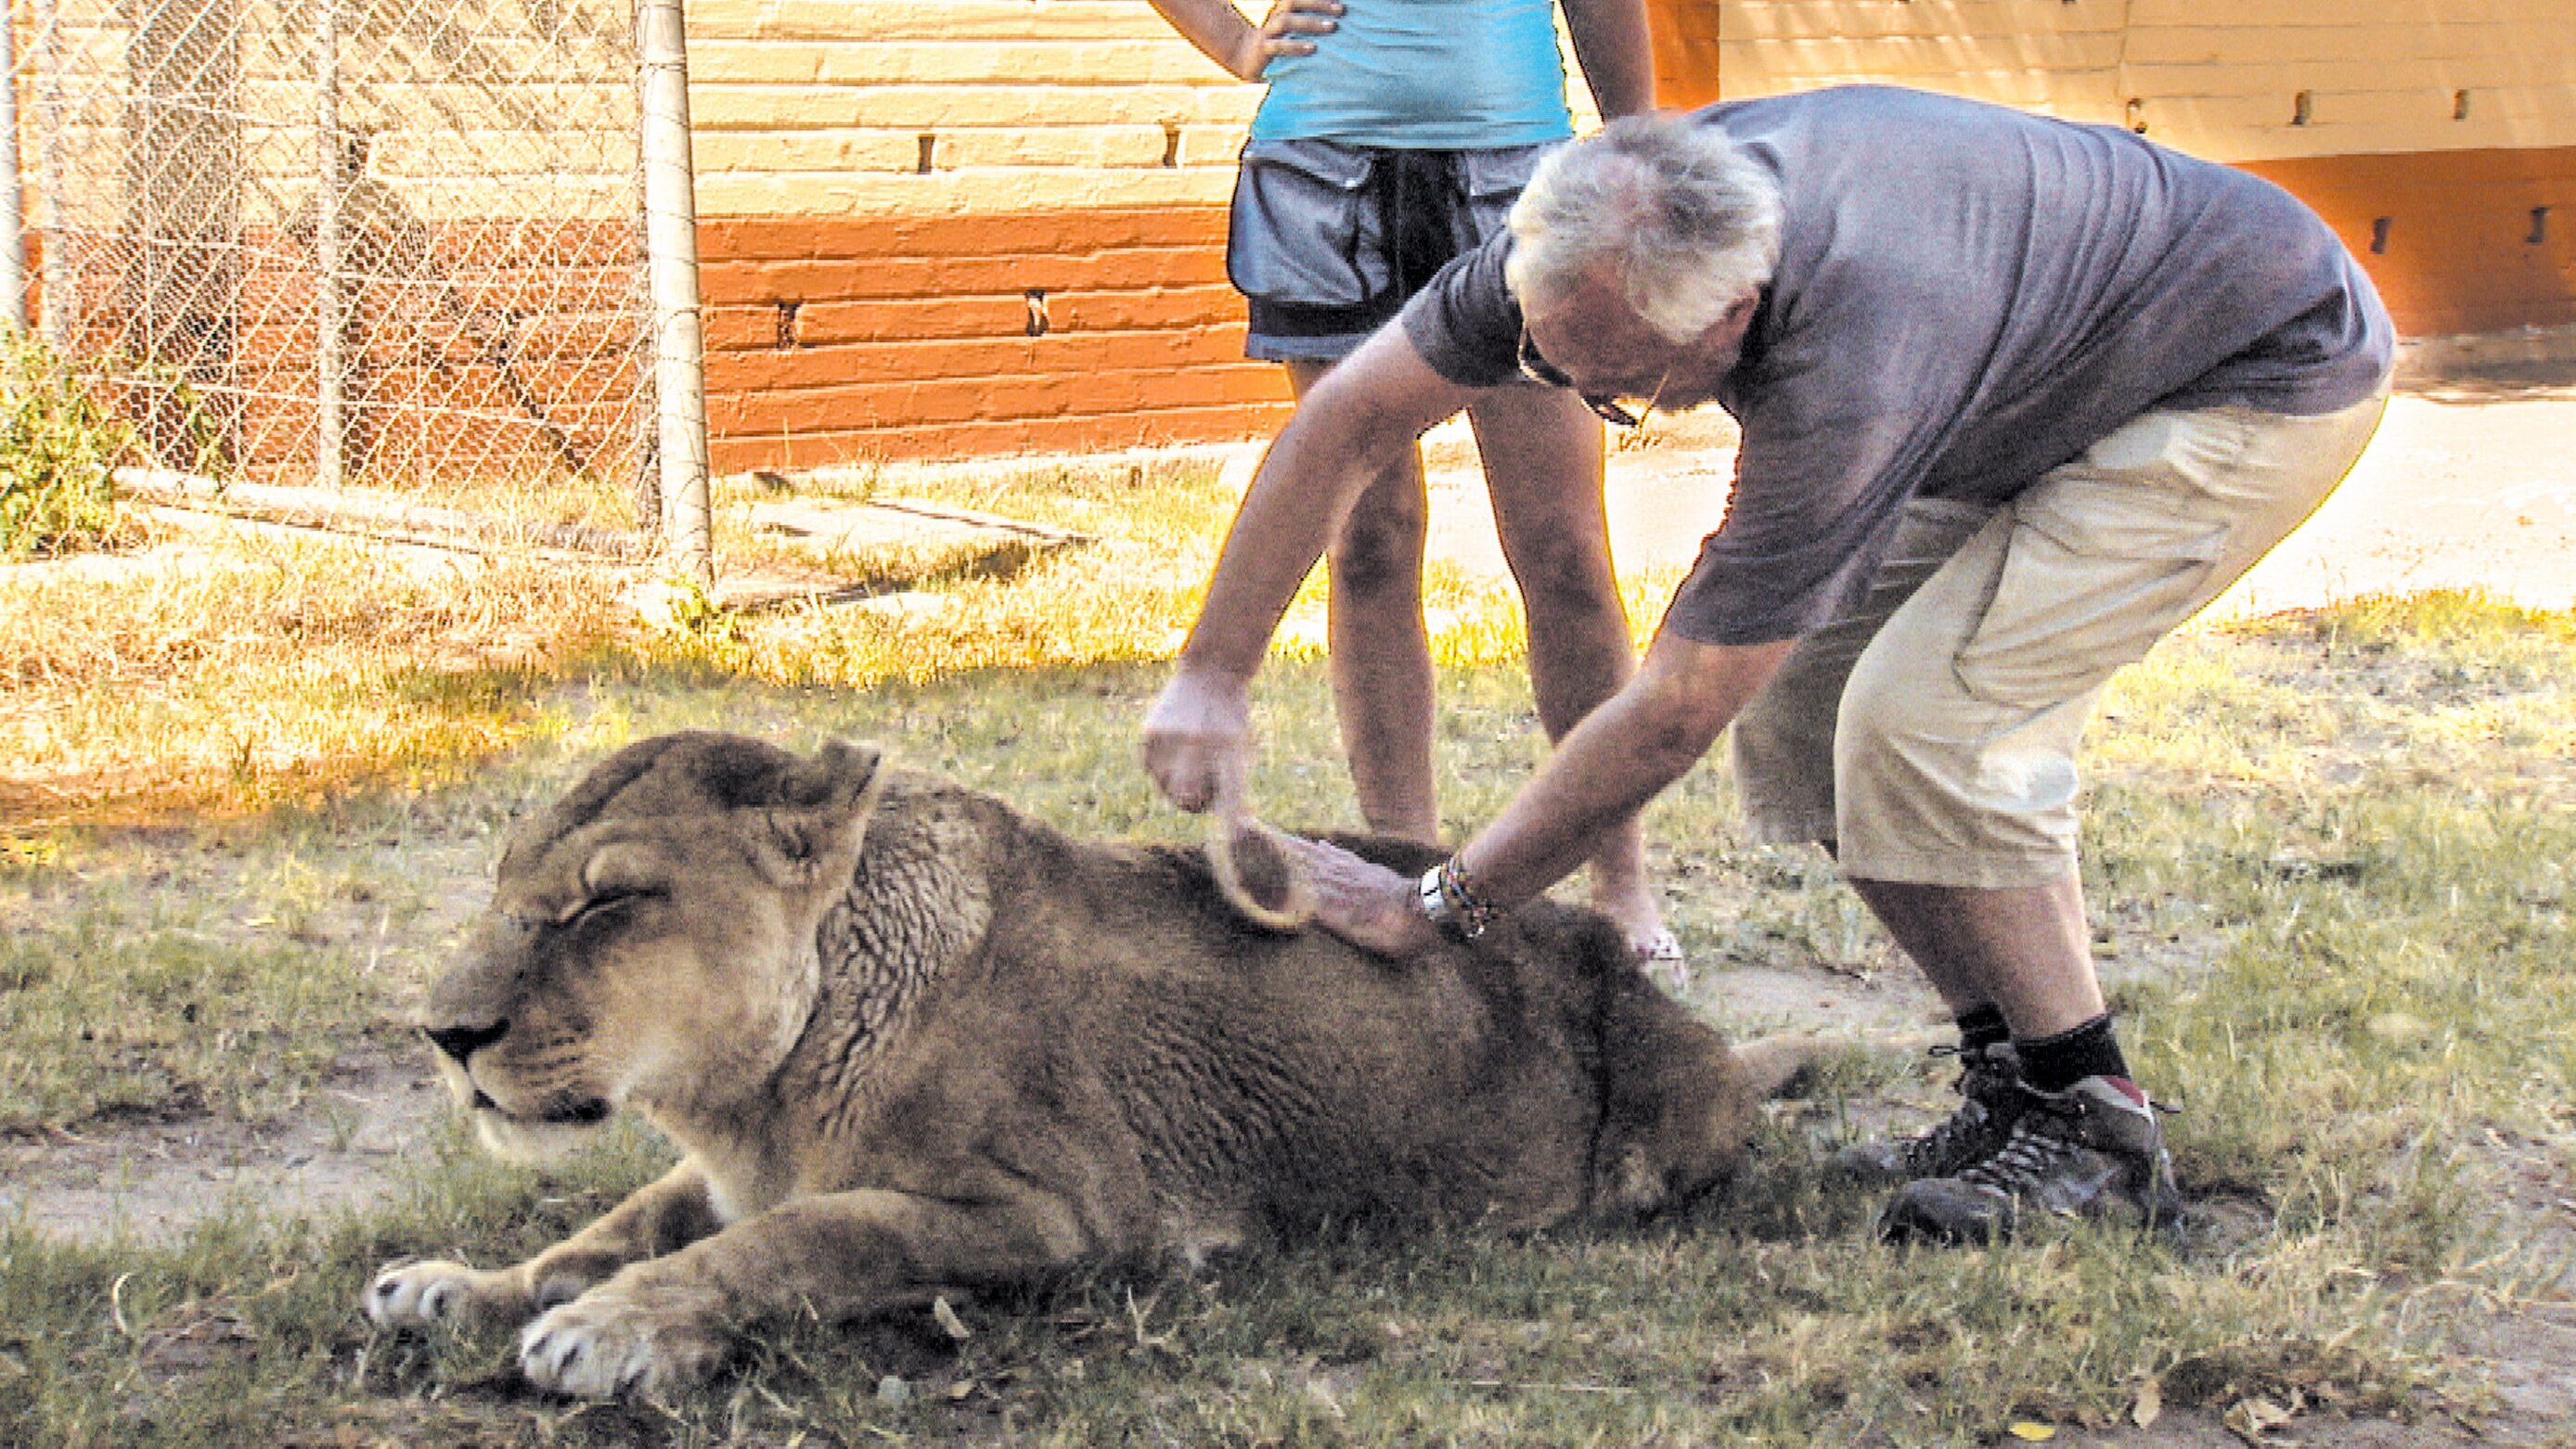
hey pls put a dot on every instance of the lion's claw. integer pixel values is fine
(597, 1347)
(416, 1295)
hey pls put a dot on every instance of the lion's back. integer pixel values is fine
(1295, 1076)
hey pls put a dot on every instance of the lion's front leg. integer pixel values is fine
(661, 1217)
(664, 1324)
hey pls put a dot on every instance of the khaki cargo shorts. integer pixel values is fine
(1929, 736)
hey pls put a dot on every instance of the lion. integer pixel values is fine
(911, 1042)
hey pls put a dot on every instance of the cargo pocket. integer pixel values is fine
(2094, 574)
(1494, 180)
(1303, 230)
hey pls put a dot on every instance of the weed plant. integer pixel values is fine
(2328, 852)
(58, 448)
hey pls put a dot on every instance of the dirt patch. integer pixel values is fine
(153, 1182)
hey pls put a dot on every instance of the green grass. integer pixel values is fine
(2328, 854)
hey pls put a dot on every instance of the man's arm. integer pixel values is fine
(1349, 428)
(1624, 754)
(1610, 42)
(1224, 35)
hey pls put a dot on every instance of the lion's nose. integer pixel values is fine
(462, 1042)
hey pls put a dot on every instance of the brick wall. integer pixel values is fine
(2438, 139)
(946, 228)
(940, 228)
(943, 228)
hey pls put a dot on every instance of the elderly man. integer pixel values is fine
(2017, 396)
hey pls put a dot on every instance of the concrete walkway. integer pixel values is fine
(2468, 485)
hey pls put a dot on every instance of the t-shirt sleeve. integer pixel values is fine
(1465, 322)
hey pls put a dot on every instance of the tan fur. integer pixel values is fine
(912, 1041)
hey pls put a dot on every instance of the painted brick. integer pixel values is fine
(1050, 128)
(793, 237)
(1937, 18)
(986, 399)
(1092, 62)
(1896, 57)
(860, 149)
(724, 154)
(851, 279)
(2399, 44)
(818, 448)
(2509, 70)
(746, 371)
(986, 191)
(2242, 13)
(718, 105)
(882, 20)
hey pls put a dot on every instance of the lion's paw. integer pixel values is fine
(415, 1295)
(601, 1344)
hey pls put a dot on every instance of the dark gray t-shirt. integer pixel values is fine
(1966, 297)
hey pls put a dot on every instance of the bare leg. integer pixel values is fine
(1379, 655)
(2026, 950)
(1543, 467)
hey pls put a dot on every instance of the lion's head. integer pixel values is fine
(651, 938)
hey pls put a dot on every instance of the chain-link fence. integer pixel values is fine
(398, 243)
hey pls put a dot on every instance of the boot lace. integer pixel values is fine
(1963, 1129)
(2043, 1141)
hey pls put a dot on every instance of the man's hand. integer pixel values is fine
(1367, 905)
(1284, 31)
(1197, 737)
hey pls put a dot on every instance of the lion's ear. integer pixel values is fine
(813, 832)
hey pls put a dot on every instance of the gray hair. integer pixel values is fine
(1669, 209)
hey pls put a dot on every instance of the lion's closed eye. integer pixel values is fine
(601, 901)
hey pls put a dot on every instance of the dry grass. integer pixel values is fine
(259, 670)
(2337, 842)
(234, 670)
(2370, 1032)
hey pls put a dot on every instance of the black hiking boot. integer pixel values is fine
(1991, 1096)
(2094, 1150)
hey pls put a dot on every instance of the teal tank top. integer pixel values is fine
(1426, 74)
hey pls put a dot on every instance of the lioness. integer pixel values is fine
(911, 1041)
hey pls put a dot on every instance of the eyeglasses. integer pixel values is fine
(1539, 369)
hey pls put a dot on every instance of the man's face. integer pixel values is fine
(1607, 351)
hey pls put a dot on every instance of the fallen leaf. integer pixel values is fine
(2150, 1405)
(948, 1321)
(2030, 1433)
(2253, 1420)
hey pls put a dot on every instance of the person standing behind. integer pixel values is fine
(1396, 134)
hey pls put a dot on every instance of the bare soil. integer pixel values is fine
(153, 1181)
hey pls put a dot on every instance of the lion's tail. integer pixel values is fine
(1257, 874)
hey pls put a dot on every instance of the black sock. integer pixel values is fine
(2055, 1063)
(1981, 1027)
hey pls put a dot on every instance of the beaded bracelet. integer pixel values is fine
(1450, 901)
